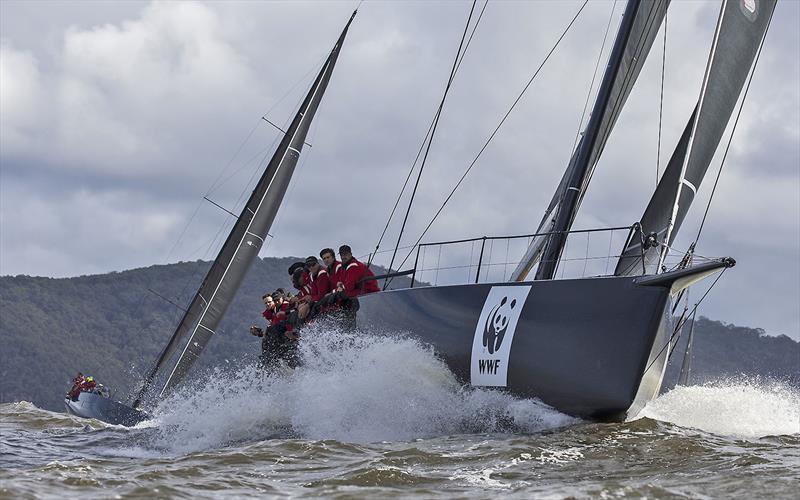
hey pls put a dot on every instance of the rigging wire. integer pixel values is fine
(661, 98)
(680, 324)
(594, 76)
(216, 184)
(424, 140)
(433, 132)
(733, 131)
(225, 226)
(491, 136)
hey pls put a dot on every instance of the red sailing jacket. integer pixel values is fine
(274, 317)
(336, 273)
(305, 289)
(87, 385)
(321, 285)
(353, 274)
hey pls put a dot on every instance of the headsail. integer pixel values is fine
(740, 31)
(640, 25)
(245, 240)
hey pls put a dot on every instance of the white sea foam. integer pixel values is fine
(740, 408)
(351, 387)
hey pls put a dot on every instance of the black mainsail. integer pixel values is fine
(244, 241)
(640, 25)
(740, 32)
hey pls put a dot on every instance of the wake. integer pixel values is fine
(351, 387)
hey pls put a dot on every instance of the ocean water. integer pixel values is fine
(379, 416)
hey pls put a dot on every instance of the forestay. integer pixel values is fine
(740, 31)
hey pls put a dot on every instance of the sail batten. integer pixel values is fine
(244, 241)
(739, 34)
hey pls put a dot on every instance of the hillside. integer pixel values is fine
(728, 351)
(112, 327)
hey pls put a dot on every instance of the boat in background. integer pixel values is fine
(93, 405)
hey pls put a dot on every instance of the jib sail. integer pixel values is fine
(740, 31)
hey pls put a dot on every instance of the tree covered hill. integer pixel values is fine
(114, 325)
(723, 350)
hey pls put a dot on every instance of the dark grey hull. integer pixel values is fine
(90, 405)
(593, 347)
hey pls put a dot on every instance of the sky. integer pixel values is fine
(117, 118)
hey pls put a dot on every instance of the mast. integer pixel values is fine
(741, 28)
(640, 24)
(244, 241)
(566, 209)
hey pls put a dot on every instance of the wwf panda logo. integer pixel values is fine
(497, 324)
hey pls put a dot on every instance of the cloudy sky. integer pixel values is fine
(118, 117)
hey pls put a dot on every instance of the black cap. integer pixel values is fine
(311, 260)
(345, 249)
(295, 266)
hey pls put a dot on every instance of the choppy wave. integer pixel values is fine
(748, 408)
(352, 388)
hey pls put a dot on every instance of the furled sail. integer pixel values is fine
(245, 240)
(640, 25)
(740, 31)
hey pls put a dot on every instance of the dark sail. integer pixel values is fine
(640, 25)
(245, 240)
(740, 32)
(656, 215)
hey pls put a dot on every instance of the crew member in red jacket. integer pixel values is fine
(335, 269)
(320, 282)
(300, 280)
(355, 272)
(75, 390)
(88, 384)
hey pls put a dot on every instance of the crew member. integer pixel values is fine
(268, 313)
(88, 384)
(75, 390)
(300, 280)
(279, 337)
(320, 282)
(356, 275)
(335, 269)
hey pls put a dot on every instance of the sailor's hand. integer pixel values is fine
(256, 331)
(291, 335)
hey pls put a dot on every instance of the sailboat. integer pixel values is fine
(594, 347)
